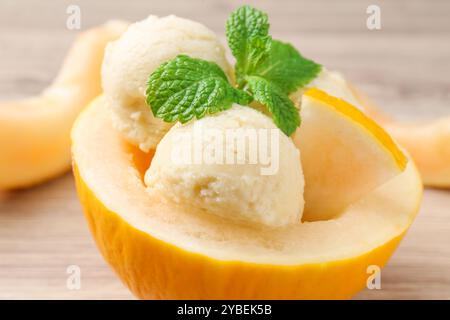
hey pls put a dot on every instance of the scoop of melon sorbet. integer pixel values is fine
(235, 164)
(130, 60)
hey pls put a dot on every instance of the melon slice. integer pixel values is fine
(35, 132)
(428, 142)
(345, 155)
(164, 251)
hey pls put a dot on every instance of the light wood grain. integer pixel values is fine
(404, 67)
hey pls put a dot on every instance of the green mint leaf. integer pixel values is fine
(285, 67)
(242, 97)
(184, 88)
(247, 32)
(285, 115)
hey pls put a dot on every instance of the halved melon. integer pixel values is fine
(35, 132)
(161, 250)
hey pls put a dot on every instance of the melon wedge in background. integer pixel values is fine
(35, 132)
(163, 251)
(344, 154)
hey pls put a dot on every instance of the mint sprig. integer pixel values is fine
(272, 70)
(266, 70)
(247, 31)
(183, 88)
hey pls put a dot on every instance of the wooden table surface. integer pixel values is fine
(405, 67)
